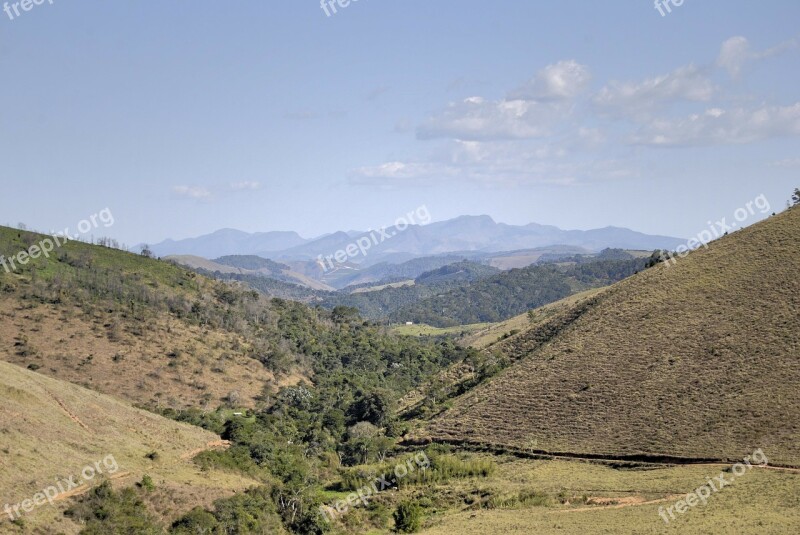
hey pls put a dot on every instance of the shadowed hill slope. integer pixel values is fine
(697, 360)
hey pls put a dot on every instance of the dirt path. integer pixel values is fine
(601, 503)
(217, 444)
(621, 503)
(651, 459)
(83, 489)
(69, 413)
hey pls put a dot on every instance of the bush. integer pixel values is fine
(147, 483)
(104, 511)
(198, 520)
(407, 517)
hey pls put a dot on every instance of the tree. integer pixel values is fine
(796, 197)
(374, 407)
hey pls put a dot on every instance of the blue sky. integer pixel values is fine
(186, 117)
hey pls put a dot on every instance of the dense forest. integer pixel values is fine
(514, 292)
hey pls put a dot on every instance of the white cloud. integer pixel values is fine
(736, 52)
(528, 112)
(197, 193)
(560, 81)
(245, 185)
(688, 83)
(722, 127)
(398, 173)
(733, 55)
(478, 119)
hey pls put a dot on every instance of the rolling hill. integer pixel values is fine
(229, 242)
(249, 265)
(696, 360)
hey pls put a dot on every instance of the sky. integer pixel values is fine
(184, 117)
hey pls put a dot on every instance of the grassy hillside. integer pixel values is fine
(696, 360)
(251, 267)
(52, 429)
(140, 329)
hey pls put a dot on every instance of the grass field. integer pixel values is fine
(420, 329)
(523, 496)
(384, 286)
(759, 502)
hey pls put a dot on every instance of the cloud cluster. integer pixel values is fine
(530, 111)
(688, 83)
(736, 53)
(717, 126)
(562, 81)
(555, 129)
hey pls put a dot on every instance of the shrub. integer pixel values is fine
(198, 520)
(407, 517)
(147, 483)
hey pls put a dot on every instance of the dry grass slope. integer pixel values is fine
(62, 318)
(697, 360)
(170, 363)
(52, 429)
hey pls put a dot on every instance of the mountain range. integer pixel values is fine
(464, 234)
